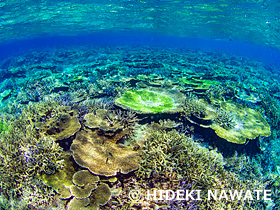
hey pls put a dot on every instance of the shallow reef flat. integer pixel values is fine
(83, 127)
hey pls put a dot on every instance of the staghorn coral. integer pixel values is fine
(12, 203)
(111, 120)
(25, 153)
(194, 107)
(171, 156)
(224, 119)
(220, 92)
(93, 105)
(24, 158)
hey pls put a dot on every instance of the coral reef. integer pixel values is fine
(61, 180)
(82, 127)
(25, 154)
(65, 126)
(172, 161)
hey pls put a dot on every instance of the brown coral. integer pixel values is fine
(83, 177)
(66, 125)
(102, 120)
(84, 192)
(80, 204)
(100, 196)
(102, 156)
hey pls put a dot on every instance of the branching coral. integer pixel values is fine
(12, 203)
(169, 154)
(25, 153)
(193, 107)
(112, 122)
(224, 119)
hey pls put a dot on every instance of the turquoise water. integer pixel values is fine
(103, 102)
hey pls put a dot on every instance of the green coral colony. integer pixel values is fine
(148, 101)
(83, 141)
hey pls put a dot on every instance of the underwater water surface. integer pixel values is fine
(139, 104)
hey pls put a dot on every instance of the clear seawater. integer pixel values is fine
(77, 53)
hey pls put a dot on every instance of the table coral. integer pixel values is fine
(61, 180)
(199, 84)
(103, 121)
(102, 156)
(229, 120)
(91, 195)
(83, 177)
(66, 125)
(151, 101)
(249, 124)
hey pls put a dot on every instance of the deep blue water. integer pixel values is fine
(265, 54)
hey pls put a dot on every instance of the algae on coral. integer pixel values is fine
(151, 101)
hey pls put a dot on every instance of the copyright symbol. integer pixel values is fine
(134, 195)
